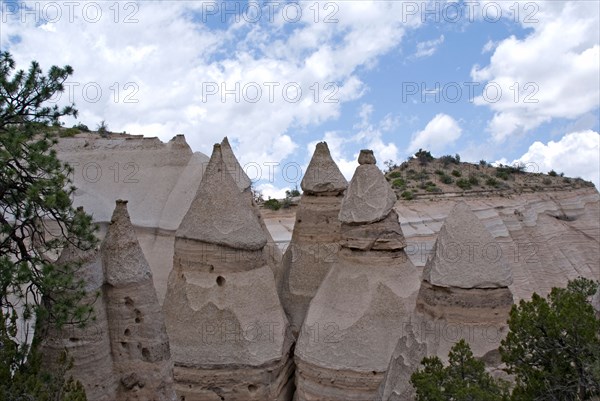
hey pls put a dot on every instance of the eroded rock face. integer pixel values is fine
(316, 236)
(225, 321)
(159, 180)
(88, 346)
(462, 255)
(322, 174)
(271, 251)
(405, 360)
(356, 317)
(238, 229)
(461, 282)
(138, 337)
(370, 197)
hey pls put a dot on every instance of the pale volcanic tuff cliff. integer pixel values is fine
(545, 238)
(158, 179)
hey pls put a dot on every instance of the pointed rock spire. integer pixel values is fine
(138, 335)
(366, 295)
(316, 236)
(221, 280)
(466, 255)
(233, 166)
(124, 261)
(322, 174)
(218, 215)
(369, 197)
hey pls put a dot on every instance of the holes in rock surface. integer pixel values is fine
(128, 301)
(146, 354)
(73, 339)
(252, 388)
(124, 344)
(127, 332)
(220, 281)
(212, 268)
(564, 217)
(138, 316)
(374, 373)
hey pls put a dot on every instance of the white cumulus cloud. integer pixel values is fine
(551, 73)
(577, 154)
(441, 131)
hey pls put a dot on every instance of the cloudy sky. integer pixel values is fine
(495, 80)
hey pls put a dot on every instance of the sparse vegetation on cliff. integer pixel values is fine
(450, 175)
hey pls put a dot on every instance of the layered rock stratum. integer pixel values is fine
(316, 236)
(225, 321)
(356, 317)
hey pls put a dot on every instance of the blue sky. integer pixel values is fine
(504, 80)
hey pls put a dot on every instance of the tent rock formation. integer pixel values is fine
(139, 342)
(224, 318)
(356, 317)
(464, 281)
(316, 236)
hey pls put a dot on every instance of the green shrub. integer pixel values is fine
(272, 204)
(82, 127)
(398, 183)
(483, 163)
(439, 172)
(433, 188)
(69, 132)
(423, 156)
(395, 174)
(501, 173)
(552, 173)
(492, 182)
(463, 183)
(447, 159)
(407, 195)
(473, 180)
(456, 173)
(446, 179)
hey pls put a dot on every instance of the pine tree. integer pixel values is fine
(464, 379)
(553, 346)
(37, 220)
